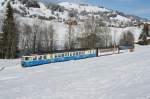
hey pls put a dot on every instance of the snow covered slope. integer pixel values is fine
(121, 18)
(26, 15)
(81, 8)
(33, 8)
(122, 76)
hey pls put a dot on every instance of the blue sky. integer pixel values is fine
(136, 7)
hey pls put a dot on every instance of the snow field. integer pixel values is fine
(119, 76)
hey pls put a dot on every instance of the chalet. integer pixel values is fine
(145, 35)
(142, 25)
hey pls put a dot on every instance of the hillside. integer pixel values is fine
(32, 8)
(122, 76)
(29, 11)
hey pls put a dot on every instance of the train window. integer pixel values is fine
(83, 52)
(70, 54)
(63, 55)
(35, 58)
(55, 56)
(59, 55)
(66, 54)
(44, 57)
(51, 56)
(27, 58)
(79, 53)
(48, 56)
(40, 57)
(89, 51)
(74, 54)
(94, 51)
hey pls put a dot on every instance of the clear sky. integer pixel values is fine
(136, 7)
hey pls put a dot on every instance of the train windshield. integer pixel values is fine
(26, 58)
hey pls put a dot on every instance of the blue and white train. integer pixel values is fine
(34, 60)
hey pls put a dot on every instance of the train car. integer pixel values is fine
(60, 56)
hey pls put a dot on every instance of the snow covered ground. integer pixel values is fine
(120, 76)
(81, 8)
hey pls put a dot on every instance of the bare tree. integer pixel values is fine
(127, 39)
(106, 36)
(95, 35)
(37, 37)
(36, 34)
(70, 37)
(25, 41)
(50, 38)
(89, 37)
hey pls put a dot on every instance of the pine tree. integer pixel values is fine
(10, 37)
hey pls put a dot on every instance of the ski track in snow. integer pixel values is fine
(120, 76)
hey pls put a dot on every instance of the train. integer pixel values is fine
(66, 55)
(59, 56)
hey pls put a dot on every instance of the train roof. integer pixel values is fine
(57, 51)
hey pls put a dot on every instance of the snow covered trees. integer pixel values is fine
(70, 37)
(25, 38)
(95, 34)
(127, 39)
(37, 38)
(50, 38)
(10, 35)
